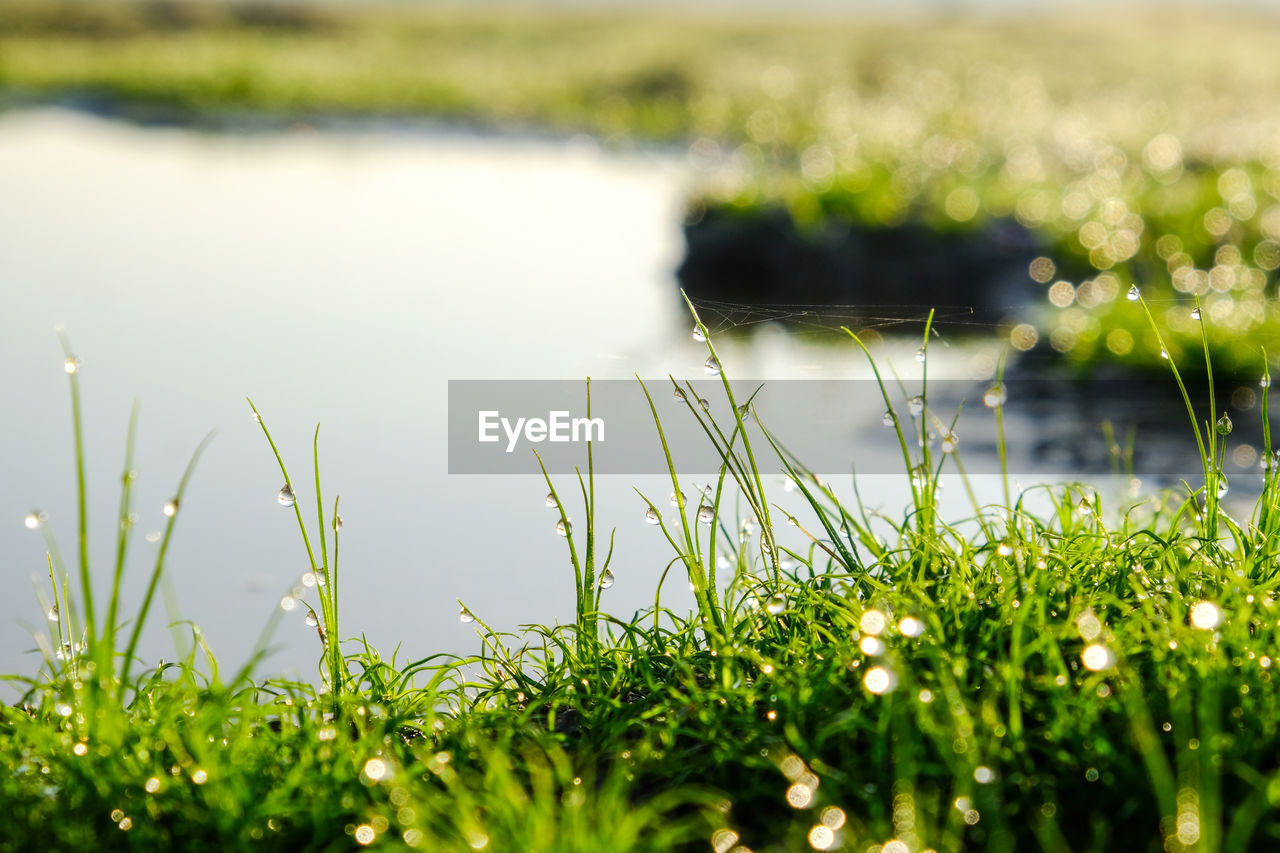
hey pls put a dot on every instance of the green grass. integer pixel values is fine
(1137, 147)
(1094, 676)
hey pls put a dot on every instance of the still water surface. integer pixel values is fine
(340, 278)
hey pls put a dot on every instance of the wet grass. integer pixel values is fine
(1093, 676)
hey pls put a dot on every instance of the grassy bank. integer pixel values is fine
(1136, 148)
(1092, 677)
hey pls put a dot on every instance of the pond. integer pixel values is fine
(344, 277)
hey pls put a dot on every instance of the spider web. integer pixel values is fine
(824, 320)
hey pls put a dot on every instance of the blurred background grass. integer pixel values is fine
(656, 74)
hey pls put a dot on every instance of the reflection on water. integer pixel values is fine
(340, 278)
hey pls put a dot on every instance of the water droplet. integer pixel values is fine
(153, 537)
(1084, 507)
(910, 626)
(916, 405)
(1164, 353)
(32, 520)
(607, 579)
(312, 621)
(776, 604)
(872, 646)
(699, 335)
(288, 603)
(679, 396)
(308, 579)
(949, 442)
(822, 838)
(376, 769)
(712, 366)
(53, 613)
(995, 395)
(710, 492)
(1089, 625)
(1224, 425)
(920, 355)
(800, 796)
(1134, 294)
(1098, 657)
(651, 516)
(743, 412)
(1223, 485)
(706, 514)
(722, 840)
(564, 528)
(465, 616)
(285, 496)
(171, 508)
(551, 500)
(880, 680)
(677, 498)
(337, 523)
(1195, 313)
(71, 365)
(887, 420)
(1265, 381)
(702, 401)
(873, 622)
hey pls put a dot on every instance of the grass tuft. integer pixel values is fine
(1094, 675)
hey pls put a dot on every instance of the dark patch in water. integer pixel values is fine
(1059, 418)
(762, 258)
